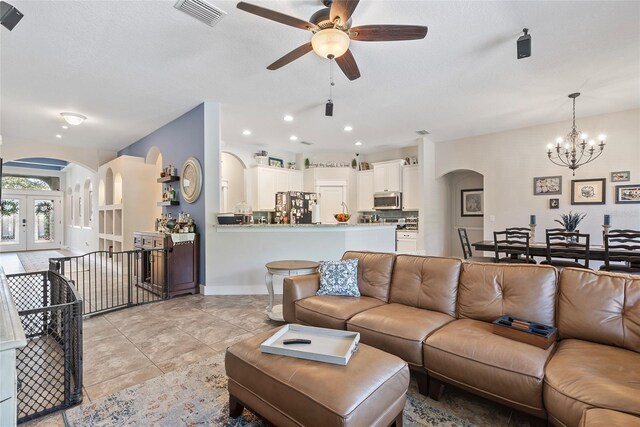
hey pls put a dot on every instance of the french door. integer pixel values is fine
(30, 222)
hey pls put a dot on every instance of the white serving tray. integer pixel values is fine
(327, 345)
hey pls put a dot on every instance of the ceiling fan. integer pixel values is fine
(332, 33)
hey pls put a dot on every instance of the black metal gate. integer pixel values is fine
(112, 280)
(49, 368)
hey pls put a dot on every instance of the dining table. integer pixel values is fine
(539, 249)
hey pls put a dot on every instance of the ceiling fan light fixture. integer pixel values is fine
(74, 119)
(330, 42)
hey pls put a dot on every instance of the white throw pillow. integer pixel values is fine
(339, 278)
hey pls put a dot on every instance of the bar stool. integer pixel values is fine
(284, 268)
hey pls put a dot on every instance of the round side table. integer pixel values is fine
(284, 268)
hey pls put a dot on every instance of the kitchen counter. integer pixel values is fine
(241, 251)
(301, 227)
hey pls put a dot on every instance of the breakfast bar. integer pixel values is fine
(242, 251)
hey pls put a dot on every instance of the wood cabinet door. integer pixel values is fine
(296, 181)
(394, 177)
(365, 190)
(265, 189)
(282, 180)
(410, 188)
(380, 178)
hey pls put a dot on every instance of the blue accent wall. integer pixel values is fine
(178, 140)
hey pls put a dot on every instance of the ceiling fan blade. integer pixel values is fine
(382, 33)
(342, 9)
(277, 16)
(347, 64)
(291, 56)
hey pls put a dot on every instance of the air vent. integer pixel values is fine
(306, 142)
(201, 10)
(422, 132)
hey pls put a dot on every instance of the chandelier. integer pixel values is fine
(574, 150)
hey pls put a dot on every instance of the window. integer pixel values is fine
(29, 183)
(9, 220)
(87, 211)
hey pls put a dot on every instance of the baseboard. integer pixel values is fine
(260, 289)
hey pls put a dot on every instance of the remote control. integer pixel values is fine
(296, 341)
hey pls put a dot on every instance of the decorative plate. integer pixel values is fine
(191, 180)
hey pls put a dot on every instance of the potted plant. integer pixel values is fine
(571, 220)
(307, 163)
(354, 163)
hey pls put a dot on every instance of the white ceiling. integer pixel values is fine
(131, 67)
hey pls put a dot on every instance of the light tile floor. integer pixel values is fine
(130, 346)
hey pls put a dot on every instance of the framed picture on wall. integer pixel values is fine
(276, 162)
(621, 176)
(626, 194)
(554, 203)
(547, 185)
(588, 191)
(471, 202)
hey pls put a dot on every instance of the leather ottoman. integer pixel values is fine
(370, 391)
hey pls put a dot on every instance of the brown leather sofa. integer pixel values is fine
(597, 361)
(436, 314)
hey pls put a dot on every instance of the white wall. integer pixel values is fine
(434, 219)
(246, 156)
(463, 180)
(510, 160)
(391, 154)
(233, 172)
(81, 237)
(90, 158)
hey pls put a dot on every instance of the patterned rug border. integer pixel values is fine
(202, 399)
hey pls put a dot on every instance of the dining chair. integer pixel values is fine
(569, 245)
(622, 246)
(514, 243)
(466, 248)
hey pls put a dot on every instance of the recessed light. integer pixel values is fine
(358, 143)
(288, 118)
(65, 127)
(348, 128)
(74, 119)
(246, 132)
(293, 138)
(58, 136)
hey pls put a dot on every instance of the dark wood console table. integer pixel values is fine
(165, 266)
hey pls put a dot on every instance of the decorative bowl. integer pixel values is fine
(342, 217)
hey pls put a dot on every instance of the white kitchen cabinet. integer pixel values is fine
(296, 180)
(387, 176)
(264, 189)
(282, 180)
(267, 181)
(365, 190)
(406, 241)
(410, 188)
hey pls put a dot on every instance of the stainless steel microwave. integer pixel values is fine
(387, 200)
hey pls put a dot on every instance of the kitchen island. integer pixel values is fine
(241, 251)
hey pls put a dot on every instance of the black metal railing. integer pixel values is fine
(49, 367)
(112, 280)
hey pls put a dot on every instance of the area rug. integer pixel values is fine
(37, 260)
(197, 396)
